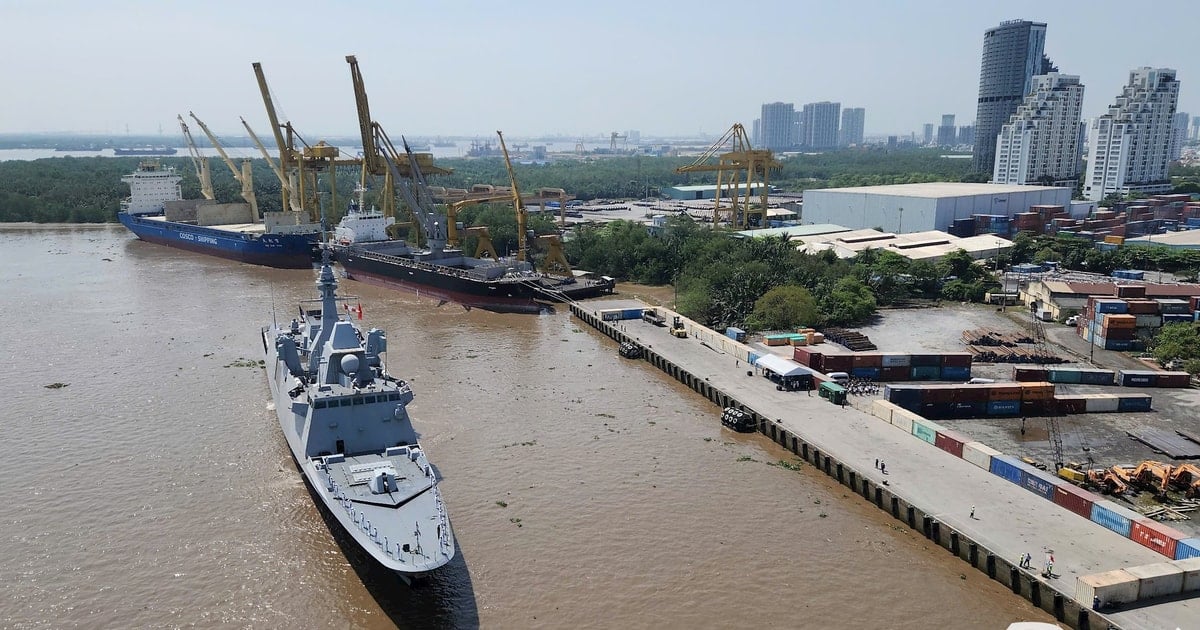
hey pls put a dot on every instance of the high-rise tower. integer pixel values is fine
(777, 124)
(1040, 142)
(1012, 56)
(1128, 147)
(853, 121)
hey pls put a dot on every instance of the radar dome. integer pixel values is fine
(349, 364)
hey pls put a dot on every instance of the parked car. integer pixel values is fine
(1073, 320)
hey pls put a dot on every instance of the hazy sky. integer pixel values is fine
(563, 67)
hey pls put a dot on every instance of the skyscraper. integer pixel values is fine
(966, 135)
(853, 121)
(1040, 142)
(1179, 132)
(819, 123)
(927, 134)
(947, 133)
(1195, 127)
(1127, 147)
(776, 127)
(1012, 55)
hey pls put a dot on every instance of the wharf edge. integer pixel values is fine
(1041, 594)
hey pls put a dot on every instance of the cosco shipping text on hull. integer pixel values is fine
(287, 251)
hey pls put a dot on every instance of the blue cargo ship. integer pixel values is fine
(157, 213)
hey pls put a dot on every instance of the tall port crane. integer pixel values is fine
(284, 183)
(555, 262)
(737, 171)
(244, 176)
(612, 141)
(199, 162)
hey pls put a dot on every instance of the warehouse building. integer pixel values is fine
(708, 191)
(930, 246)
(904, 208)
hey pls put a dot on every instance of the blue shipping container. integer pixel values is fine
(1007, 467)
(968, 409)
(905, 397)
(1063, 375)
(1187, 548)
(1004, 407)
(1111, 520)
(1117, 344)
(1137, 378)
(924, 432)
(1039, 483)
(631, 313)
(1111, 306)
(956, 374)
(869, 373)
(1096, 377)
(926, 373)
(752, 358)
(1133, 403)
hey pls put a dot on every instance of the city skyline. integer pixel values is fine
(538, 68)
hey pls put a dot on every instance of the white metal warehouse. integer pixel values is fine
(904, 208)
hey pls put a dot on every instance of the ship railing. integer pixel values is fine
(424, 266)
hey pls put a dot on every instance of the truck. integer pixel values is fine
(652, 316)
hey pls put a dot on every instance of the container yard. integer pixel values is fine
(937, 469)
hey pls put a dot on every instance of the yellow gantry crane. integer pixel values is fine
(199, 162)
(244, 176)
(738, 171)
(555, 261)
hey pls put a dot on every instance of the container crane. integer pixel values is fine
(517, 205)
(244, 176)
(555, 262)
(198, 161)
(744, 166)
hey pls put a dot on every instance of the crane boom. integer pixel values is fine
(199, 162)
(286, 160)
(517, 205)
(244, 176)
(413, 188)
(371, 161)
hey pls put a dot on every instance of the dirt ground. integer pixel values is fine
(1100, 436)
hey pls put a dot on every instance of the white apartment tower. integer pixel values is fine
(1128, 147)
(1040, 142)
(776, 128)
(853, 120)
(1179, 134)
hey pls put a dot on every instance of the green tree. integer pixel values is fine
(849, 301)
(784, 307)
(1178, 341)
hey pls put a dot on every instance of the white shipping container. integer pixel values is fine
(902, 419)
(882, 409)
(896, 360)
(1191, 573)
(979, 454)
(1157, 580)
(1102, 403)
(1110, 587)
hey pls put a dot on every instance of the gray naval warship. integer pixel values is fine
(346, 422)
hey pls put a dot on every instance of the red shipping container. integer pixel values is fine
(1156, 536)
(804, 356)
(1118, 333)
(957, 359)
(952, 443)
(1071, 404)
(1141, 307)
(1173, 379)
(837, 363)
(972, 393)
(1030, 374)
(1075, 499)
(868, 359)
(938, 393)
(1005, 392)
(891, 374)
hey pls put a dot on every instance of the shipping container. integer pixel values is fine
(1096, 377)
(1172, 306)
(1110, 306)
(893, 374)
(631, 313)
(1071, 404)
(883, 409)
(736, 334)
(837, 363)
(1137, 378)
(1040, 483)
(1075, 499)
(1133, 402)
(1062, 375)
(957, 359)
(867, 359)
(1029, 374)
(925, 360)
(925, 429)
(903, 419)
(1102, 403)
(954, 373)
(1114, 517)
(1188, 548)
(1108, 588)
(1174, 379)
(867, 373)
(979, 454)
(1148, 321)
(1037, 391)
(1156, 536)
(951, 441)
(1191, 571)
(1119, 321)
(1177, 318)
(1004, 408)
(1141, 307)
(894, 360)
(776, 340)
(1157, 580)
(1008, 468)
(925, 372)
(907, 397)
(804, 356)
(1002, 391)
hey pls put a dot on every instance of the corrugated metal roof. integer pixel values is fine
(939, 189)
(795, 231)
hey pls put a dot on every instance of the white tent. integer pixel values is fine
(780, 366)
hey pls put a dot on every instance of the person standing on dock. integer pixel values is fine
(876, 463)
(882, 467)
(972, 511)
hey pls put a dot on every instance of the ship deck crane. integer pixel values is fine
(413, 188)
(244, 176)
(283, 178)
(555, 262)
(740, 167)
(198, 161)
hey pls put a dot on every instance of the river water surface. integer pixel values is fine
(155, 489)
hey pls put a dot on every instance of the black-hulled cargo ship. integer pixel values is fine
(505, 286)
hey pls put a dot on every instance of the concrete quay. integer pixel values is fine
(930, 490)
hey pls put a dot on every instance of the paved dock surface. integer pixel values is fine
(1009, 520)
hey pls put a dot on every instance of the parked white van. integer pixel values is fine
(841, 378)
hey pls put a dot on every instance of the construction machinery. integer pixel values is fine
(1153, 475)
(739, 172)
(555, 261)
(244, 176)
(199, 162)
(677, 328)
(1187, 476)
(1108, 481)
